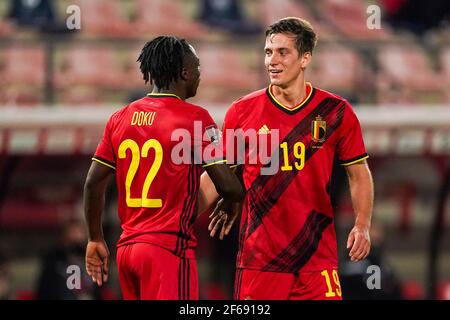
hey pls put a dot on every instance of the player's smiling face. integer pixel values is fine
(282, 59)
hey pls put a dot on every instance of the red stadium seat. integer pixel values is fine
(445, 66)
(22, 82)
(165, 17)
(131, 75)
(17, 69)
(336, 68)
(81, 95)
(88, 65)
(272, 10)
(6, 29)
(227, 73)
(349, 18)
(21, 96)
(103, 17)
(406, 76)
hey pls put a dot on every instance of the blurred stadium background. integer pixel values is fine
(58, 87)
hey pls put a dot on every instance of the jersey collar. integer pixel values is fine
(162, 95)
(292, 110)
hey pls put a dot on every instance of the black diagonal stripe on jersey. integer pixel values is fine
(242, 231)
(302, 247)
(179, 246)
(193, 209)
(180, 279)
(266, 189)
(188, 279)
(237, 284)
(191, 205)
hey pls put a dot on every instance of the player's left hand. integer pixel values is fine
(359, 243)
(97, 255)
(224, 216)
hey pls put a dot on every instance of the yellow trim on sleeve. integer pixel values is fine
(104, 163)
(213, 163)
(234, 165)
(353, 162)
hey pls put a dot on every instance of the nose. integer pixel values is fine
(273, 59)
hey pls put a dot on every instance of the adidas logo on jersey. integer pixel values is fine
(264, 130)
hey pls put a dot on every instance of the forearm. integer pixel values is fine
(207, 195)
(361, 190)
(94, 202)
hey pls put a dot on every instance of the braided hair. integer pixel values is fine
(161, 60)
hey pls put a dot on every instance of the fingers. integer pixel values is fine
(222, 232)
(213, 222)
(217, 222)
(360, 248)
(95, 272)
(350, 240)
(229, 225)
(216, 226)
(362, 254)
(105, 269)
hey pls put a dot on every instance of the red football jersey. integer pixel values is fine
(287, 219)
(155, 144)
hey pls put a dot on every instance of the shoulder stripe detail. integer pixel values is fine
(103, 162)
(354, 160)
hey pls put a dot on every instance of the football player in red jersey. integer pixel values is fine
(157, 191)
(287, 242)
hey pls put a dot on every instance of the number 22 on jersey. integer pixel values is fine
(136, 154)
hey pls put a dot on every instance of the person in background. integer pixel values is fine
(226, 15)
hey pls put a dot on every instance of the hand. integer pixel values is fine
(224, 215)
(97, 255)
(359, 242)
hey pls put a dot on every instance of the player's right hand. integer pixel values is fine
(97, 255)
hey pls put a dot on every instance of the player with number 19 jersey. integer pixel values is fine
(157, 196)
(287, 219)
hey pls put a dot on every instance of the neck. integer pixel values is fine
(171, 90)
(292, 95)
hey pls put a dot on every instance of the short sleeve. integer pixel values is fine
(105, 151)
(350, 148)
(208, 146)
(230, 139)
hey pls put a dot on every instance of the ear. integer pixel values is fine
(184, 75)
(306, 59)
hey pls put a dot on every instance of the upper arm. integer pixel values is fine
(98, 174)
(358, 171)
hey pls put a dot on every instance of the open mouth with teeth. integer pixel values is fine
(275, 71)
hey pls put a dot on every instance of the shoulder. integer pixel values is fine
(338, 100)
(116, 116)
(323, 94)
(195, 111)
(251, 98)
(246, 103)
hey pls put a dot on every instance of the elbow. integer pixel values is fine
(88, 185)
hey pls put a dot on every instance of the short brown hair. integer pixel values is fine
(305, 37)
